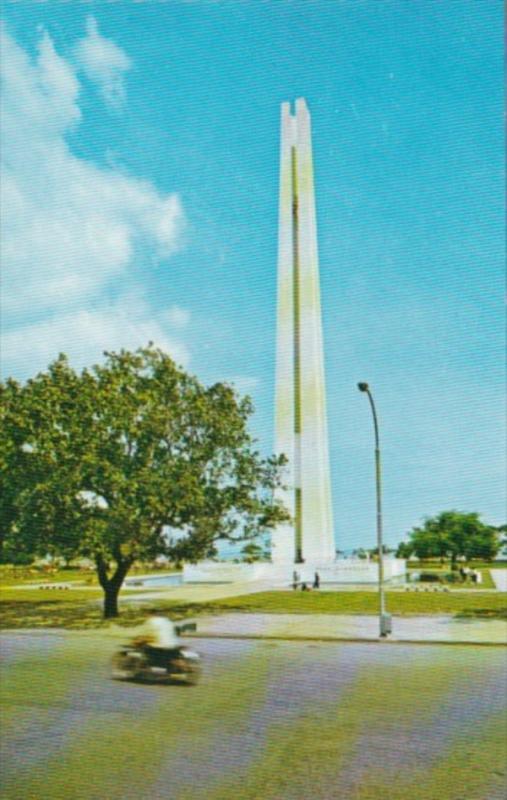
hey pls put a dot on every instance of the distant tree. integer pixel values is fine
(252, 552)
(105, 462)
(502, 530)
(454, 534)
(404, 550)
(13, 462)
(386, 549)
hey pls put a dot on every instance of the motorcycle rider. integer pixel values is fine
(159, 638)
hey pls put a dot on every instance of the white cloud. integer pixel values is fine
(71, 230)
(104, 63)
(177, 317)
(68, 226)
(245, 384)
(38, 101)
(84, 334)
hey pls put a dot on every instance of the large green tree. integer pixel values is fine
(128, 460)
(454, 534)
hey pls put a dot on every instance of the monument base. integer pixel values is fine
(341, 571)
(228, 572)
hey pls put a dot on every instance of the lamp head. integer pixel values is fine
(363, 387)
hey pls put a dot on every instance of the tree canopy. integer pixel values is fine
(452, 534)
(128, 460)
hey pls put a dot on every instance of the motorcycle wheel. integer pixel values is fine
(193, 675)
(124, 667)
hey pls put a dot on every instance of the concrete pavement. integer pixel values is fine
(444, 629)
(200, 592)
(499, 579)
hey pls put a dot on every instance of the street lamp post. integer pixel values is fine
(384, 618)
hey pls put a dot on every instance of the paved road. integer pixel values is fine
(277, 721)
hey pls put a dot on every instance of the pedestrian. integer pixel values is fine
(316, 581)
(295, 580)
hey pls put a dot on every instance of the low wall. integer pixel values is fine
(225, 572)
(359, 571)
(340, 571)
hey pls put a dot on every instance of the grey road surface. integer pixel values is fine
(73, 732)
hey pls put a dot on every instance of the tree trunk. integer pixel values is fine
(111, 585)
(111, 601)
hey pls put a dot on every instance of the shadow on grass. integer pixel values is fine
(482, 613)
(76, 615)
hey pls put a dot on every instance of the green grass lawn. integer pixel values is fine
(14, 576)
(81, 608)
(473, 604)
(20, 576)
(74, 608)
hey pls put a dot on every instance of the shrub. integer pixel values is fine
(429, 577)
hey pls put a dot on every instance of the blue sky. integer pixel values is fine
(141, 175)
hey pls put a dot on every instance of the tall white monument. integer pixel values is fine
(300, 424)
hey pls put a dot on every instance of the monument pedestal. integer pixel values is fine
(341, 571)
(227, 572)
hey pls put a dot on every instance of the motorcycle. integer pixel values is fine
(137, 661)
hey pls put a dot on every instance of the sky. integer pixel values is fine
(139, 198)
